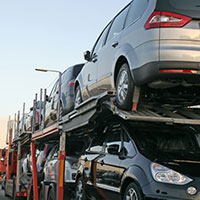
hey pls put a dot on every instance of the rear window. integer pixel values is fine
(77, 69)
(190, 8)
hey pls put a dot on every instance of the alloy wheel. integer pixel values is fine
(78, 98)
(131, 195)
(122, 87)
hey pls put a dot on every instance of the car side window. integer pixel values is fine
(128, 147)
(136, 10)
(100, 42)
(114, 138)
(96, 144)
(55, 155)
(118, 24)
(198, 140)
(51, 153)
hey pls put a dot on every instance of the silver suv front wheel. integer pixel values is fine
(78, 97)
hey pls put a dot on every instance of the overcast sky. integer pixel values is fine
(49, 34)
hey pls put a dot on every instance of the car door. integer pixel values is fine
(89, 71)
(106, 55)
(108, 166)
(53, 166)
(48, 166)
(88, 163)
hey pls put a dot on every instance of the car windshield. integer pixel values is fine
(167, 139)
(74, 146)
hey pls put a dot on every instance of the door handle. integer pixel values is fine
(94, 60)
(114, 44)
(89, 79)
(102, 162)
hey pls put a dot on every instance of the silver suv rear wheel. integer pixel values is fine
(124, 88)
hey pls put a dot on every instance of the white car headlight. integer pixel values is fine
(165, 175)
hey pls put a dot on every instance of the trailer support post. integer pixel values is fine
(61, 168)
(18, 167)
(10, 131)
(136, 96)
(35, 184)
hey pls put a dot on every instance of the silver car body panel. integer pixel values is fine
(181, 44)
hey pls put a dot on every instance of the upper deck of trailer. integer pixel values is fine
(101, 107)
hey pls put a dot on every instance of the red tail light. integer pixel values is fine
(71, 83)
(160, 19)
(25, 194)
(18, 194)
(179, 71)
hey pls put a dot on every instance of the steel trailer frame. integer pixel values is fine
(87, 115)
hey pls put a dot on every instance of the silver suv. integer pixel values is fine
(150, 43)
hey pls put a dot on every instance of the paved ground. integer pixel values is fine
(2, 197)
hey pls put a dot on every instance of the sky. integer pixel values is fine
(49, 34)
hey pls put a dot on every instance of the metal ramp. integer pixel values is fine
(96, 108)
(161, 114)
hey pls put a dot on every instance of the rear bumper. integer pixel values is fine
(151, 71)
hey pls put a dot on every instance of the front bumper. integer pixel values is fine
(163, 191)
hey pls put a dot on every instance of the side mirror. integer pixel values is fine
(87, 55)
(2, 159)
(113, 149)
(31, 109)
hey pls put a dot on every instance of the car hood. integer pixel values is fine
(186, 163)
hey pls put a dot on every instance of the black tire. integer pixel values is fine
(133, 192)
(78, 96)
(51, 195)
(80, 190)
(124, 88)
